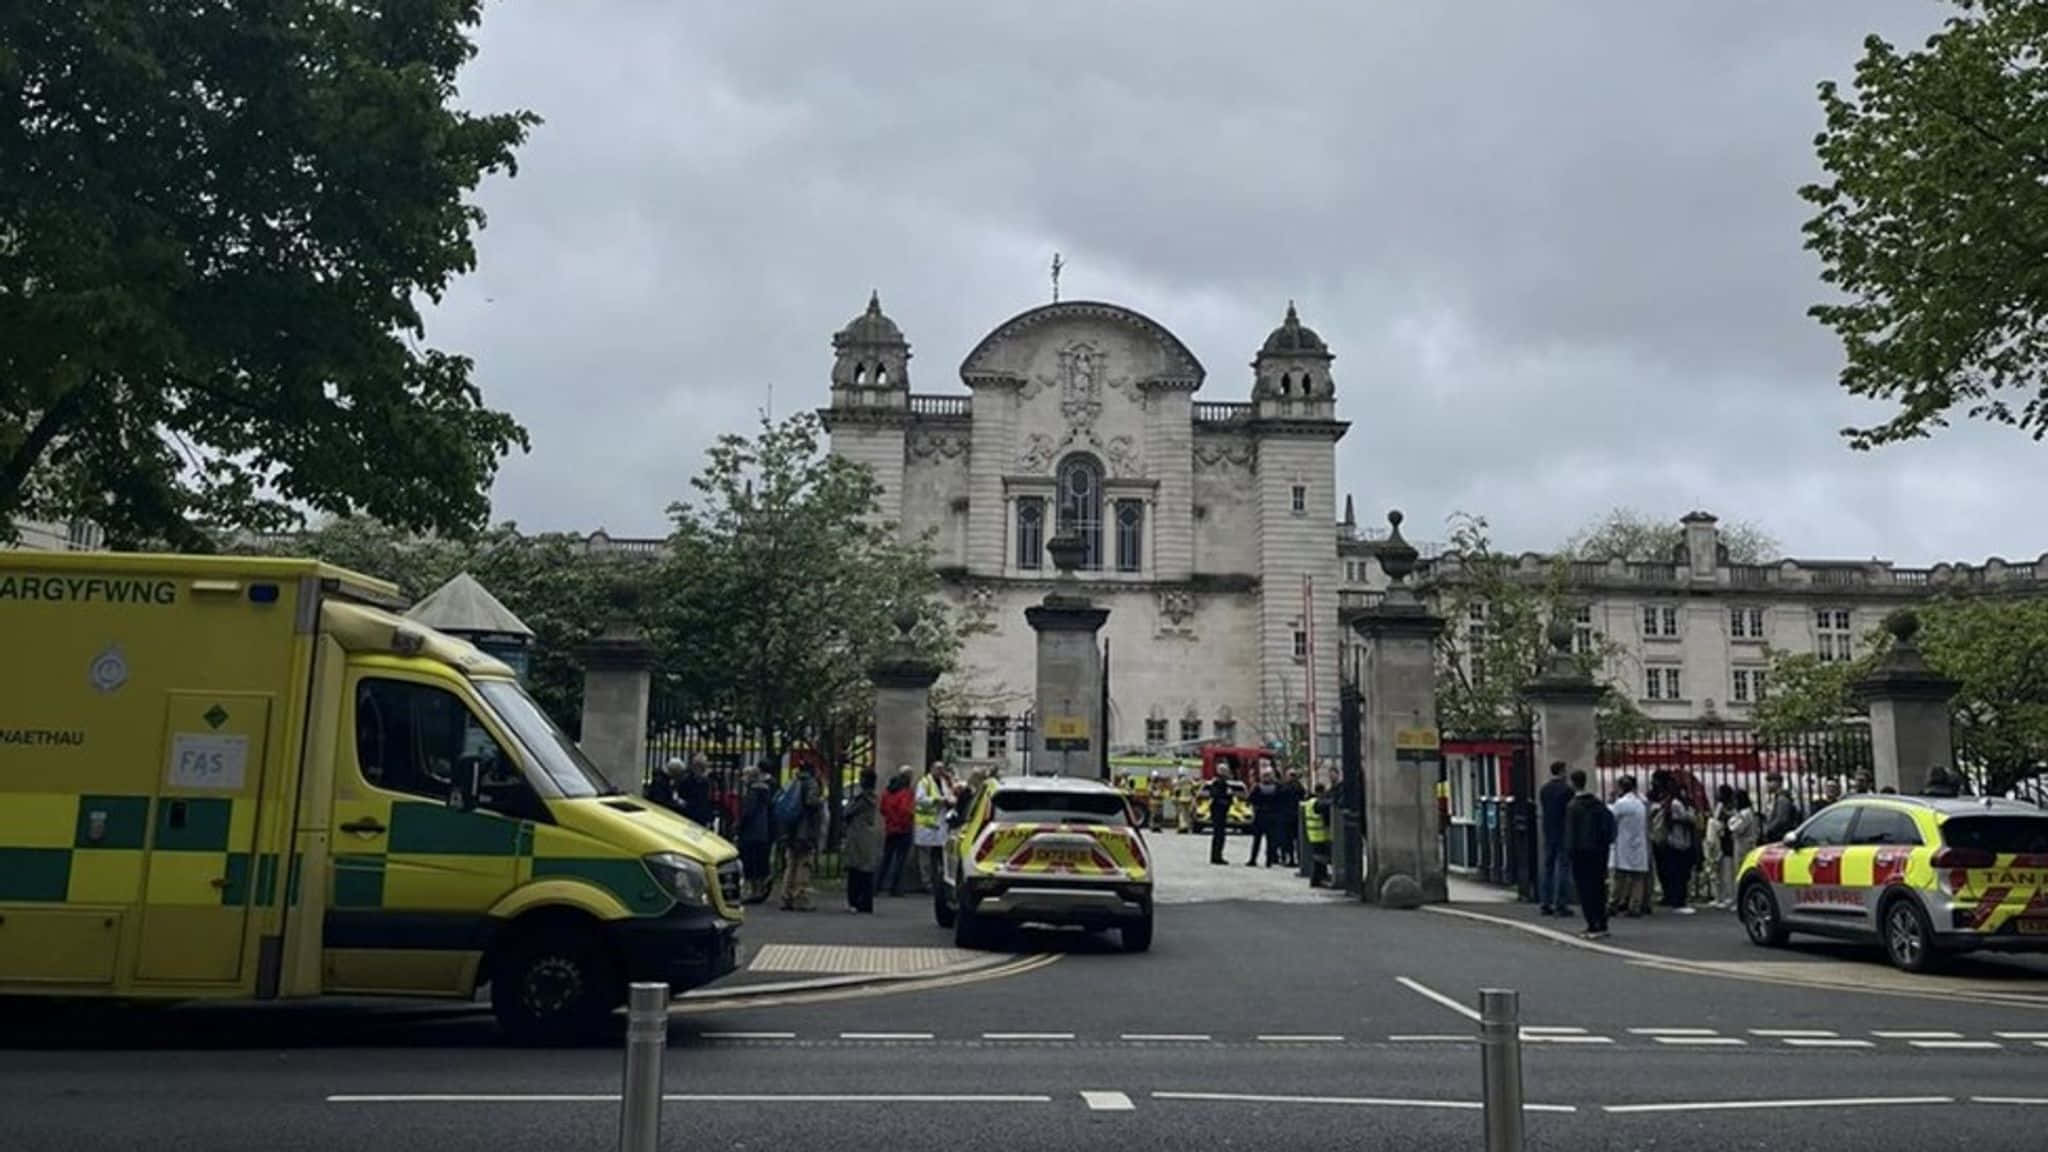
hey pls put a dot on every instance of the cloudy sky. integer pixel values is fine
(1555, 246)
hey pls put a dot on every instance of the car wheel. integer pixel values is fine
(942, 908)
(971, 931)
(1908, 937)
(553, 986)
(1137, 937)
(1759, 912)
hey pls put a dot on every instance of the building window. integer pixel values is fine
(1475, 625)
(1226, 731)
(1661, 683)
(1749, 685)
(960, 738)
(998, 737)
(1582, 628)
(1030, 532)
(1832, 638)
(1300, 499)
(1190, 729)
(1660, 620)
(1130, 535)
(1746, 623)
(1155, 731)
(1081, 507)
(1300, 645)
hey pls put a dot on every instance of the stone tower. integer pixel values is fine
(871, 399)
(1294, 419)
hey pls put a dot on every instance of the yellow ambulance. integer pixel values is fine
(231, 777)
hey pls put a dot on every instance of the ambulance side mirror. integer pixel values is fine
(1791, 840)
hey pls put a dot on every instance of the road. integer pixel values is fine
(1253, 1023)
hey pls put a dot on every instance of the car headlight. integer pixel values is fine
(681, 877)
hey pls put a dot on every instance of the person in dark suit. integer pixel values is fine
(1219, 816)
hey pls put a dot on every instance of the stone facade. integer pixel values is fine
(1208, 523)
(77, 536)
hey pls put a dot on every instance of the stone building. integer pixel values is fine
(1209, 527)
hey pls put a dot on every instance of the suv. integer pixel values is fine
(1046, 850)
(1922, 876)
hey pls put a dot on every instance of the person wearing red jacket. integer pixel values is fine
(899, 817)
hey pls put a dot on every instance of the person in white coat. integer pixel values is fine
(1631, 850)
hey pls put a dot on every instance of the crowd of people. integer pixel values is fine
(1632, 852)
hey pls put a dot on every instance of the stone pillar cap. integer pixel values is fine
(1902, 673)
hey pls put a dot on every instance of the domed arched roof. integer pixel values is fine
(1293, 338)
(1169, 363)
(870, 327)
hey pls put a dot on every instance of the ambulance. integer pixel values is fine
(251, 778)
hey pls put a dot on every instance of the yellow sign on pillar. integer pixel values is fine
(1066, 733)
(1416, 744)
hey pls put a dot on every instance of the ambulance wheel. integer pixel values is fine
(1759, 912)
(942, 908)
(1137, 937)
(1908, 937)
(553, 982)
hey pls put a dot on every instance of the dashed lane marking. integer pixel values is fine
(1743, 1105)
(2021, 1035)
(1351, 1101)
(1790, 1033)
(1027, 1035)
(1704, 1041)
(1533, 1030)
(1166, 1037)
(885, 1036)
(1108, 1102)
(747, 1035)
(1434, 1037)
(1917, 1035)
(1971, 1045)
(1826, 1042)
(2029, 1101)
(1421, 989)
(1673, 1032)
(1299, 1039)
(689, 1098)
(1550, 1038)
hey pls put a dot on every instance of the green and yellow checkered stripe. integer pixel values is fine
(89, 849)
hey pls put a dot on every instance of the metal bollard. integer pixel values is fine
(646, 1038)
(1500, 1055)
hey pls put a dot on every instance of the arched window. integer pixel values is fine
(1306, 380)
(1286, 383)
(881, 375)
(1080, 480)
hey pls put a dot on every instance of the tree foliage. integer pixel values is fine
(1629, 534)
(784, 586)
(217, 223)
(1995, 649)
(1496, 640)
(1933, 223)
(549, 581)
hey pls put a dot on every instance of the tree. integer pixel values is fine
(1995, 649)
(784, 586)
(1628, 534)
(217, 222)
(1933, 223)
(1497, 640)
(549, 581)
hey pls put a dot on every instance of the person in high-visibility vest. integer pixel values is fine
(934, 797)
(1315, 821)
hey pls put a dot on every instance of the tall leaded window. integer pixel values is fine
(1130, 535)
(1030, 531)
(1080, 481)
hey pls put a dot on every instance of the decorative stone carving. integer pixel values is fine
(927, 444)
(978, 610)
(1216, 454)
(1080, 377)
(1036, 458)
(1176, 614)
(1123, 457)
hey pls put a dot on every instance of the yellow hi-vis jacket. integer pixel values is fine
(931, 799)
(1312, 820)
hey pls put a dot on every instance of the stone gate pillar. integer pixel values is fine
(1909, 711)
(1565, 699)
(1404, 851)
(618, 668)
(1070, 720)
(903, 686)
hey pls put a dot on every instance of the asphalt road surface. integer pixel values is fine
(1253, 1023)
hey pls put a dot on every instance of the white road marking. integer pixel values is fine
(1353, 1101)
(1108, 1102)
(690, 1098)
(2035, 1101)
(1027, 1035)
(1427, 1037)
(1788, 1033)
(1828, 1042)
(2021, 1035)
(1918, 1035)
(1167, 1037)
(1422, 989)
(748, 1035)
(1275, 1038)
(1673, 1032)
(1544, 1038)
(1532, 1030)
(1973, 1045)
(2041, 1043)
(1704, 1041)
(1743, 1105)
(477, 1098)
(885, 1035)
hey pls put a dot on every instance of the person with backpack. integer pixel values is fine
(1674, 837)
(757, 831)
(1588, 835)
(800, 819)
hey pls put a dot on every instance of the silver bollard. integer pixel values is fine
(1500, 1054)
(646, 1038)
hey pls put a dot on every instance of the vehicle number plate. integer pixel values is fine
(1069, 857)
(2036, 927)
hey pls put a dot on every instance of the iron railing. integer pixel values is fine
(1702, 759)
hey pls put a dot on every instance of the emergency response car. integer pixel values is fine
(1046, 850)
(1240, 808)
(227, 777)
(1923, 877)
